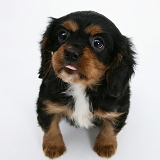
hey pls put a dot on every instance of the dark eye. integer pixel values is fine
(63, 35)
(98, 43)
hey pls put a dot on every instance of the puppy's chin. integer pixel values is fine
(69, 76)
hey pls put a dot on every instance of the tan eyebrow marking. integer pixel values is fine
(70, 25)
(93, 29)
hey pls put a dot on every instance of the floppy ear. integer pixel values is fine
(121, 68)
(46, 49)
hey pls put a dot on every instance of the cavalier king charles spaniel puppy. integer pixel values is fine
(85, 69)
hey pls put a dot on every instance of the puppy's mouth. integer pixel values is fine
(71, 74)
(72, 68)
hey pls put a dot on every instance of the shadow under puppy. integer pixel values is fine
(85, 69)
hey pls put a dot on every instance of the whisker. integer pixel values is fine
(48, 62)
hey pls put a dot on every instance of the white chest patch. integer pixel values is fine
(82, 114)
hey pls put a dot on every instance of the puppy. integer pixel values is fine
(85, 69)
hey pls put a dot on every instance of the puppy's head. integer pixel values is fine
(83, 47)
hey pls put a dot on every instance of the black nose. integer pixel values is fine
(72, 54)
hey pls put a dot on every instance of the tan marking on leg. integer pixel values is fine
(53, 108)
(106, 143)
(53, 144)
(112, 116)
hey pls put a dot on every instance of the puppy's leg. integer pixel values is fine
(53, 144)
(106, 143)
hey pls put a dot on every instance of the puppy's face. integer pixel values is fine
(78, 58)
(82, 45)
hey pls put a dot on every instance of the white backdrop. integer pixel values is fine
(21, 25)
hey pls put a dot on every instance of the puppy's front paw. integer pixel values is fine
(105, 150)
(54, 147)
(53, 151)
